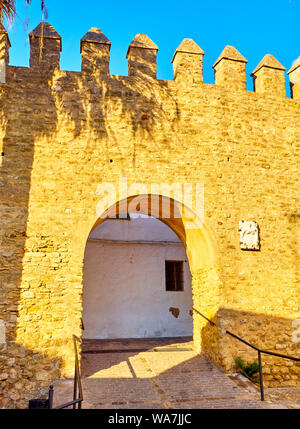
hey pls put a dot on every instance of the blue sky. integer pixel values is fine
(255, 28)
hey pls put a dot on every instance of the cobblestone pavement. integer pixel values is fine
(157, 374)
(288, 396)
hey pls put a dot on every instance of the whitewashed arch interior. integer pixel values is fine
(124, 282)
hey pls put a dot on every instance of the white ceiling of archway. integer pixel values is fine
(139, 228)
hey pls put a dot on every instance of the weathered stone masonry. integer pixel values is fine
(62, 133)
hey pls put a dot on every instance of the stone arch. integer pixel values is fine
(200, 246)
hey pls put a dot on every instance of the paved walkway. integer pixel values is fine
(157, 374)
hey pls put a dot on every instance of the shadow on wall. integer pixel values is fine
(276, 334)
(138, 101)
(28, 104)
(39, 102)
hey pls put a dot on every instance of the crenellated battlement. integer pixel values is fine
(230, 67)
(268, 76)
(45, 47)
(141, 57)
(188, 63)
(95, 52)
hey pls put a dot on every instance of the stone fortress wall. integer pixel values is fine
(62, 133)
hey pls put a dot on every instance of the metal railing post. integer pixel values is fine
(77, 372)
(261, 382)
(75, 389)
(50, 397)
(259, 352)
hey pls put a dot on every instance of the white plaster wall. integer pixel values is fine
(124, 283)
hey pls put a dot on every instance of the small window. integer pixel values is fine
(174, 275)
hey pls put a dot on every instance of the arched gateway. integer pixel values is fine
(199, 250)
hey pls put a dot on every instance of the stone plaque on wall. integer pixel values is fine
(249, 235)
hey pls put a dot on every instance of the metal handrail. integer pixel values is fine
(77, 384)
(259, 353)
